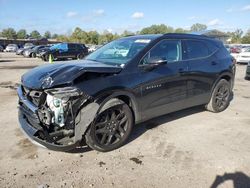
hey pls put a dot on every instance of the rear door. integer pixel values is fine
(203, 68)
(72, 52)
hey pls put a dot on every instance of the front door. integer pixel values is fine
(164, 88)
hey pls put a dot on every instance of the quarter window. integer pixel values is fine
(169, 50)
(196, 49)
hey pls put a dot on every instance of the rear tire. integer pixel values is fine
(220, 98)
(111, 128)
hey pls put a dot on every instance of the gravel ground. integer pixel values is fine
(190, 148)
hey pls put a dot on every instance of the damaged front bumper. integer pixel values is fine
(31, 125)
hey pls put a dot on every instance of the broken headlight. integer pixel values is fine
(56, 105)
(64, 92)
(57, 100)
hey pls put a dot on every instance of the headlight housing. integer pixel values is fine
(64, 92)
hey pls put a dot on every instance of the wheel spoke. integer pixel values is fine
(104, 136)
(118, 136)
(113, 115)
(120, 115)
(121, 129)
(102, 130)
(123, 120)
(101, 124)
(109, 139)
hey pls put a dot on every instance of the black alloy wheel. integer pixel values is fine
(220, 98)
(110, 129)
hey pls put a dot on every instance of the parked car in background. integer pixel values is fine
(31, 52)
(65, 51)
(247, 77)
(1, 48)
(11, 48)
(235, 49)
(28, 45)
(98, 100)
(41, 51)
(243, 57)
(26, 51)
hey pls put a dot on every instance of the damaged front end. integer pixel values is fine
(55, 117)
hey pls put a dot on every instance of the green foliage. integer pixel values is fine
(9, 33)
(54, 36)
(198, 27)
(22, 34)
(35, 34)
(180, 30)
(246, 38)
(47, 35)
(157, 29)
(93, 37)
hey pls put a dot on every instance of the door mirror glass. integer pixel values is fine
(156, 60)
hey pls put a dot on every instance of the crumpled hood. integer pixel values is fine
(52, 75)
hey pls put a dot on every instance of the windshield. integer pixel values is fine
(119, 52)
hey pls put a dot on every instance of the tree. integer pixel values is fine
(54, 36)
(127, 33)
(179, 30)
(246, 38)
(80, 36)
(198, 27)
(9, 33)
(157, 29)
(93, 37)
(47, 35)
(62, 38)
(22, 34)
(236, 36)
(35, 34)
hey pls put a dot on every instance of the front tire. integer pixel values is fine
(111, 128)
(33, 55)
(79, 56)
(220, 98)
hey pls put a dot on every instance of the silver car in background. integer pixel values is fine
(11, 48)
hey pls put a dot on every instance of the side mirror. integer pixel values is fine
(152, 63)
(156, 61)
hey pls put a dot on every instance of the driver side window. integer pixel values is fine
(169, 50)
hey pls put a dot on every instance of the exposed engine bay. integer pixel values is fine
(58, 113)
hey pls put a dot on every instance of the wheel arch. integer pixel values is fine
(124, 96)
(224, 75)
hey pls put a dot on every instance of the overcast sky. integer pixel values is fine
(62, 16)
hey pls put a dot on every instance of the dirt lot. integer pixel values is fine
(190, 148)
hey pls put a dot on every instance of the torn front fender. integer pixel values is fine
(86, 116)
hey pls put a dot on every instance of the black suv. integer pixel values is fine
(65, 51)
(130, 80)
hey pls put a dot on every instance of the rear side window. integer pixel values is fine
(196, 49)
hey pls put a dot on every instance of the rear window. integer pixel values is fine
(196, 49)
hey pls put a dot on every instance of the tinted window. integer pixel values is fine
(169, 50)
(61, 46)
(196, 49)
